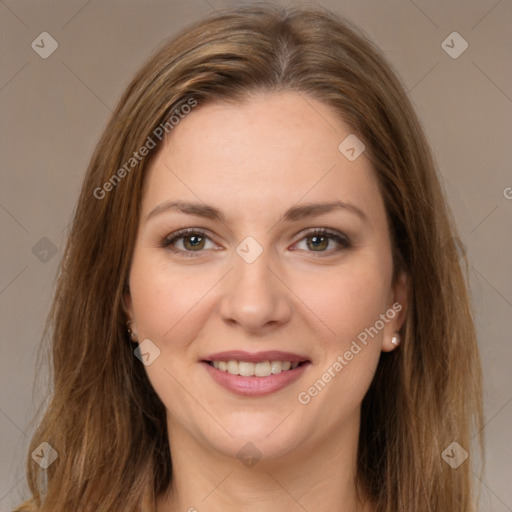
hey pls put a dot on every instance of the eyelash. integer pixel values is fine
(341, 239)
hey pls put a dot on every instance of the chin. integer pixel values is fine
(269, 435)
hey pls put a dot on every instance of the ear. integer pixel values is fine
(397, 312)
(126, 302)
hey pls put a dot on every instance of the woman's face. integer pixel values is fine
(287, 260)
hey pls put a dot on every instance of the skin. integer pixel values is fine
(253, 161)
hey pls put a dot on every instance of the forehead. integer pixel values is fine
(270, 151)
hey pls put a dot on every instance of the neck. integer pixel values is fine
(316, 476)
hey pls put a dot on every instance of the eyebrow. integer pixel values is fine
(292, 214)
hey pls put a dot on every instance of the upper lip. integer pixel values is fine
(256, 357)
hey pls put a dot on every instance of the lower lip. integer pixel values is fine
(255, 386)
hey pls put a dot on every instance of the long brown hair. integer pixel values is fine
(104, 419)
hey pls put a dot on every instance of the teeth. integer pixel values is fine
(262, 369)
(276, 367)
(247, 369)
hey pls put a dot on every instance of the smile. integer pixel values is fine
(255, 374)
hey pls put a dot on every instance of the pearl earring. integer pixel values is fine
(396, 339)
(130, 332)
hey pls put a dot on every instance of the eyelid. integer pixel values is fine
(324, 231)
(184, 231)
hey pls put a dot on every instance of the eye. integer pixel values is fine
(194, 240)
(323, 241)
(188, 240)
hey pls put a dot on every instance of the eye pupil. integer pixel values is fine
(194, 242)
(318, 242)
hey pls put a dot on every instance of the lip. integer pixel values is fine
(256, 357)
(255, 386)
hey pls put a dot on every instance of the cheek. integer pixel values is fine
(165, 299)
(349, 300)
(349, 303)
(170, 306)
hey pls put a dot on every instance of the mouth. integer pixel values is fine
(255, 374)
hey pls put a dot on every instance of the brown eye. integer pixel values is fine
(193, 242)
(187, 242)
(317, 243)
(323, 242)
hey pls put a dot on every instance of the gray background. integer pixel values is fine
(54, 109)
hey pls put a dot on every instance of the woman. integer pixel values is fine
(261, 304)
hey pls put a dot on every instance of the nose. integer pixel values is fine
(254, 296)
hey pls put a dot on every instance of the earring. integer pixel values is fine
(396, 338)
(130, 332)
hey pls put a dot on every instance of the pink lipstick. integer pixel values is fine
(255, 373)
